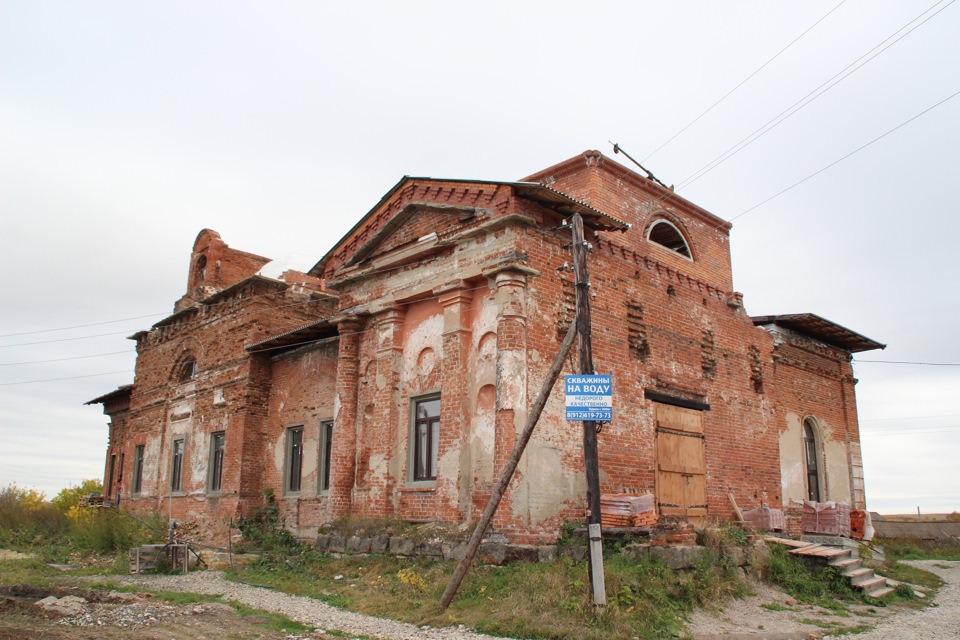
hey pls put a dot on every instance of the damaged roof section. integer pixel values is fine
(299, 336)
(821, 329)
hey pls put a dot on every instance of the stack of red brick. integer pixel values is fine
(627, 510)
(766, 519)
(826, 518)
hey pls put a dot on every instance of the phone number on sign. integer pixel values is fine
(588, 415)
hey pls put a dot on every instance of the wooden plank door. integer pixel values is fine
(681, 482)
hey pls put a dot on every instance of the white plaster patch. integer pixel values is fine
(792, 466)
(837, 471)
(547, 484)
(424, 335)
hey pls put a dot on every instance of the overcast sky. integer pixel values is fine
(126, 128)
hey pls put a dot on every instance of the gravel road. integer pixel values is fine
(742, 620)
(306, 610)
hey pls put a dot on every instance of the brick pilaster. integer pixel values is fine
(455, 399)
(511, 374)
(343, 457)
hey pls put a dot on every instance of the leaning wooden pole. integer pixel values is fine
(590, 453)
(538, 405)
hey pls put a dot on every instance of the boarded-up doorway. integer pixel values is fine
(681, 463)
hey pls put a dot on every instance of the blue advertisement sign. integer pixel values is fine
(589, 397)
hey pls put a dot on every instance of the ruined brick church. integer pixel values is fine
(392, 378)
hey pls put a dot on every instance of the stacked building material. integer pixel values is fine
(858, 521)
(90, 501)
(766, 519)
(627, 510)
(826, 518)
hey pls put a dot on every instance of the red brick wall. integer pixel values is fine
(478, 318)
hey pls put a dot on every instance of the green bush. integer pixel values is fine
(107, 531)
(26, 519)
(264, 530)
(912, 549)
(70, 497)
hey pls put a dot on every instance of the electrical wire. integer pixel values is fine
(91, 375)
(80, 326)
(833, 81)
(949, 415)
(98, 335)
(742, 82)
(96, 355)
(929, 364)
(839, 160)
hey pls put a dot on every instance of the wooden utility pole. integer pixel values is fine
(508, 470)
(590, 457)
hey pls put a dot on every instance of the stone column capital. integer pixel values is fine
(391, 316)
(347, 323)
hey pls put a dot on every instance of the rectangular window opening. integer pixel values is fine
(426, 438)
(137, 468)
(176, 470)
(325, 455)
(217, 441)
(109, 488)
(294, 459)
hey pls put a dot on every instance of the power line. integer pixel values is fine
(911, 433)
(949, 415)
(79, 326)
(96, 355)
(833, 81)
(91, 375)
(929, 364)
(835, 162)
(742, 82)
(98, 335)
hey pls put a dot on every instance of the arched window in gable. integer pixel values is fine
(200, 274)
(665, 234)
(186, 370)
(811, 456)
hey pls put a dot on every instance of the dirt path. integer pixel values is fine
(773, 615)
(306, 610)
(939, 622)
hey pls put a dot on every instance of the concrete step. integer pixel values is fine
(879, 593)
(872, 585)
(861, 574)
(847, 564)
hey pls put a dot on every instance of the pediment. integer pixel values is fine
(414, 231)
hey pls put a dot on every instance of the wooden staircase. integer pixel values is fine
(850, 566)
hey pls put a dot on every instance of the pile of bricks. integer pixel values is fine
(826, 518)
(673, 531)
(766, 519)
(627, 510)
(858, 521)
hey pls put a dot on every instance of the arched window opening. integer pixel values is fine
(667, 235)
(187, 370)
(201, 271)
(811, 457)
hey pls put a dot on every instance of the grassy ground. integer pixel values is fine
(907, 549)
(542, 600)
(520, 600)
